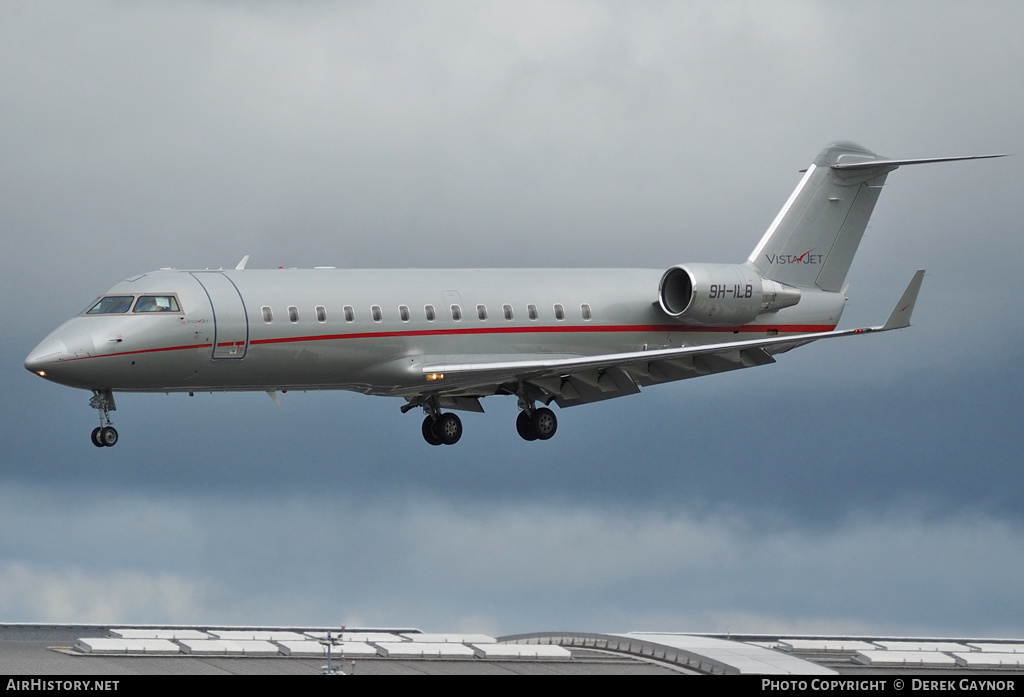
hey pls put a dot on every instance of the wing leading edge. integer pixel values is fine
(572, 380)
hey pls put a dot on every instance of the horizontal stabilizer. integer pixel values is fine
(900, 316)
(869, 164)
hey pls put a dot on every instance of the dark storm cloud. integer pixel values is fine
(506, 566)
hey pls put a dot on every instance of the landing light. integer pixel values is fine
(435, 376)
(41, 373)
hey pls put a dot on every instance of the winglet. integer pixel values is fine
(242, 263)
(900, 316)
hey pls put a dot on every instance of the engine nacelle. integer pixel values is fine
(721, 294)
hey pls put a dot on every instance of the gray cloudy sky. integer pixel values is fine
(858, 486)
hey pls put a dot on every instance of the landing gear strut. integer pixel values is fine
(105, 435)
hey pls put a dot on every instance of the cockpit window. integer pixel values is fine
(112, 304)
(157, 303)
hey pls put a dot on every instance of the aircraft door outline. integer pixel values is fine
(230, 321)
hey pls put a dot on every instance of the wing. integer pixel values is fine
(569, 380)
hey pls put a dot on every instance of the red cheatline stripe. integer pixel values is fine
(747, 329)
(755, 329)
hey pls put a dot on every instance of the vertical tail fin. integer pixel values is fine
(813, 239)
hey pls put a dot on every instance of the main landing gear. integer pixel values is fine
(541, 424)
(104, 435)
(442, 429)
(445, 428)
(438, 428)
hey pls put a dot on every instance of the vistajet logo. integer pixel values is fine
(805, 258)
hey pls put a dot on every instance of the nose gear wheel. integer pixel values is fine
(104, 435)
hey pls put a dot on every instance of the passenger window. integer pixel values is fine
(456, 313)
(268, 314)
(481, 312)
(507, 309)
(403, 312)
(350, 314)
(532, 311)
(428, 311)
(585, 312)
(157, 303)
(376, 313)
(321, 314)
(293, 313)
(559, 312)
(113, 304)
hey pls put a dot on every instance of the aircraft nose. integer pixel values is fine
(47, 353)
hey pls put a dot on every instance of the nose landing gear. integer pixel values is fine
(105, 435)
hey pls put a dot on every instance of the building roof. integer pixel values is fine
(162, 650)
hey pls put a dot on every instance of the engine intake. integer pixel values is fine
(721, 294)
